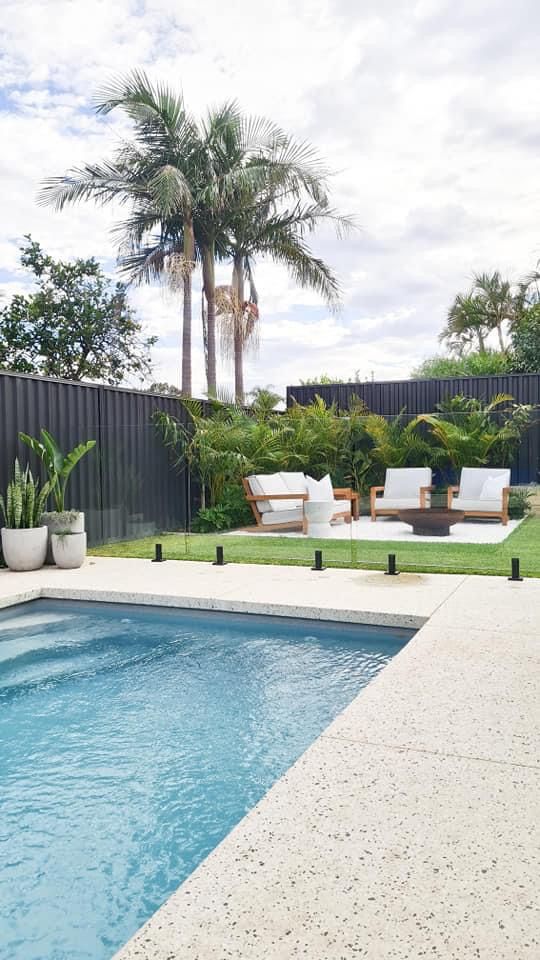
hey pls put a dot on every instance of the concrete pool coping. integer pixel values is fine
(409, 827)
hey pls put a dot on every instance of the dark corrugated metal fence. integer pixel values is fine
(126, 486)
(421, 396)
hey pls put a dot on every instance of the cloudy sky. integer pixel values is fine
(427, 111)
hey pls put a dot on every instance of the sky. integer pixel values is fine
(427, 113)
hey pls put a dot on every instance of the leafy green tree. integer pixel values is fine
(76, 324)
(526, 341)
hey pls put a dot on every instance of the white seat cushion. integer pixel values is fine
(397, 503)
(266, 484)
(320, 489)
(477, 506)
(282, 516)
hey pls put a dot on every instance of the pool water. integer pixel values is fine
(133, 739)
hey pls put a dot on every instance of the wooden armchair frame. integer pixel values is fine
(502, 514)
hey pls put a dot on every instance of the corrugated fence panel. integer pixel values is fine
(421, 396)
(126, 487)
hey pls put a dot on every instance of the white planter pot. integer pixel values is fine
(56, 522)
(24, 549)
(68, 550)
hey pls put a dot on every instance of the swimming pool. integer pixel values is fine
(132, 739)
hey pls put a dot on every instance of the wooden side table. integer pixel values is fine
(347, 493)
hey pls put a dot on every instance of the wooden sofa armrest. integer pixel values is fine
(450, 496)
(343, 493)
(373, 491)
(276, 496)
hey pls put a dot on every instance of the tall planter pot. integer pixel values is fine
(68, 550)
(71, 521)
(24, 549)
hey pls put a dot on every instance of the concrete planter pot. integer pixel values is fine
(24, 549)
(71, 521)
(68, 549)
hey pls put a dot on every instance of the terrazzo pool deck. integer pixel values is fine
(409, 829)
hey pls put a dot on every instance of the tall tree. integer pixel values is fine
(184, 182)
(154, 175)
(76, 324)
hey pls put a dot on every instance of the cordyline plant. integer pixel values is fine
(24, 501)
(57, 464)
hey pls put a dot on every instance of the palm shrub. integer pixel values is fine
(24, 501)
(471, 432)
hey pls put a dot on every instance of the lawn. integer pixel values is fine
(444, 557)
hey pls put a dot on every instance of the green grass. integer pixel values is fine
(444, 557)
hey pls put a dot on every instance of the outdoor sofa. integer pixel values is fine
(277, 499)
(482, 492)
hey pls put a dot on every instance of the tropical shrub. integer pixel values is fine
(519, 503)
(57, 464)
(469, 432)
(24, 501)
(475, 364)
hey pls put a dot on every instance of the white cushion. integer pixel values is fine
(472, 480)
(320, 489)
(493, 488)
(406, 481)
(295, 483)
(268, 483)
(477, 506)
(397, 503)
(282, 516)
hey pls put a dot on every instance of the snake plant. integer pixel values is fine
(24, 501)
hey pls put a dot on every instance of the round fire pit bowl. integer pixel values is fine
(431, 523)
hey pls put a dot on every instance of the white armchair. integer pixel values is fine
(482, 492)
(405, 488)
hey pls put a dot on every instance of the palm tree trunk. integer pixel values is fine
(238, 297)
(500, 335)
(481, 344)
(209, 287)
(189, 256)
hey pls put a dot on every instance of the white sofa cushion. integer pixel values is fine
(320, 489)
(397, 503)
(472, 480)
(493, 488)
(477, 506)
(295, 483)
(266, 484)
(282, 516)
(405, 482)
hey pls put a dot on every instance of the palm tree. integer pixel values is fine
(466, 322)
(153, 174)
(498, 301)
(262, 226)
(185, 184)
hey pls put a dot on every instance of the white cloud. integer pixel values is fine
(428, 113)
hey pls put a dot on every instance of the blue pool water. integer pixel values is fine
(133, 739)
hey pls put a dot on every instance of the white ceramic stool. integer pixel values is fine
(317, 514)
